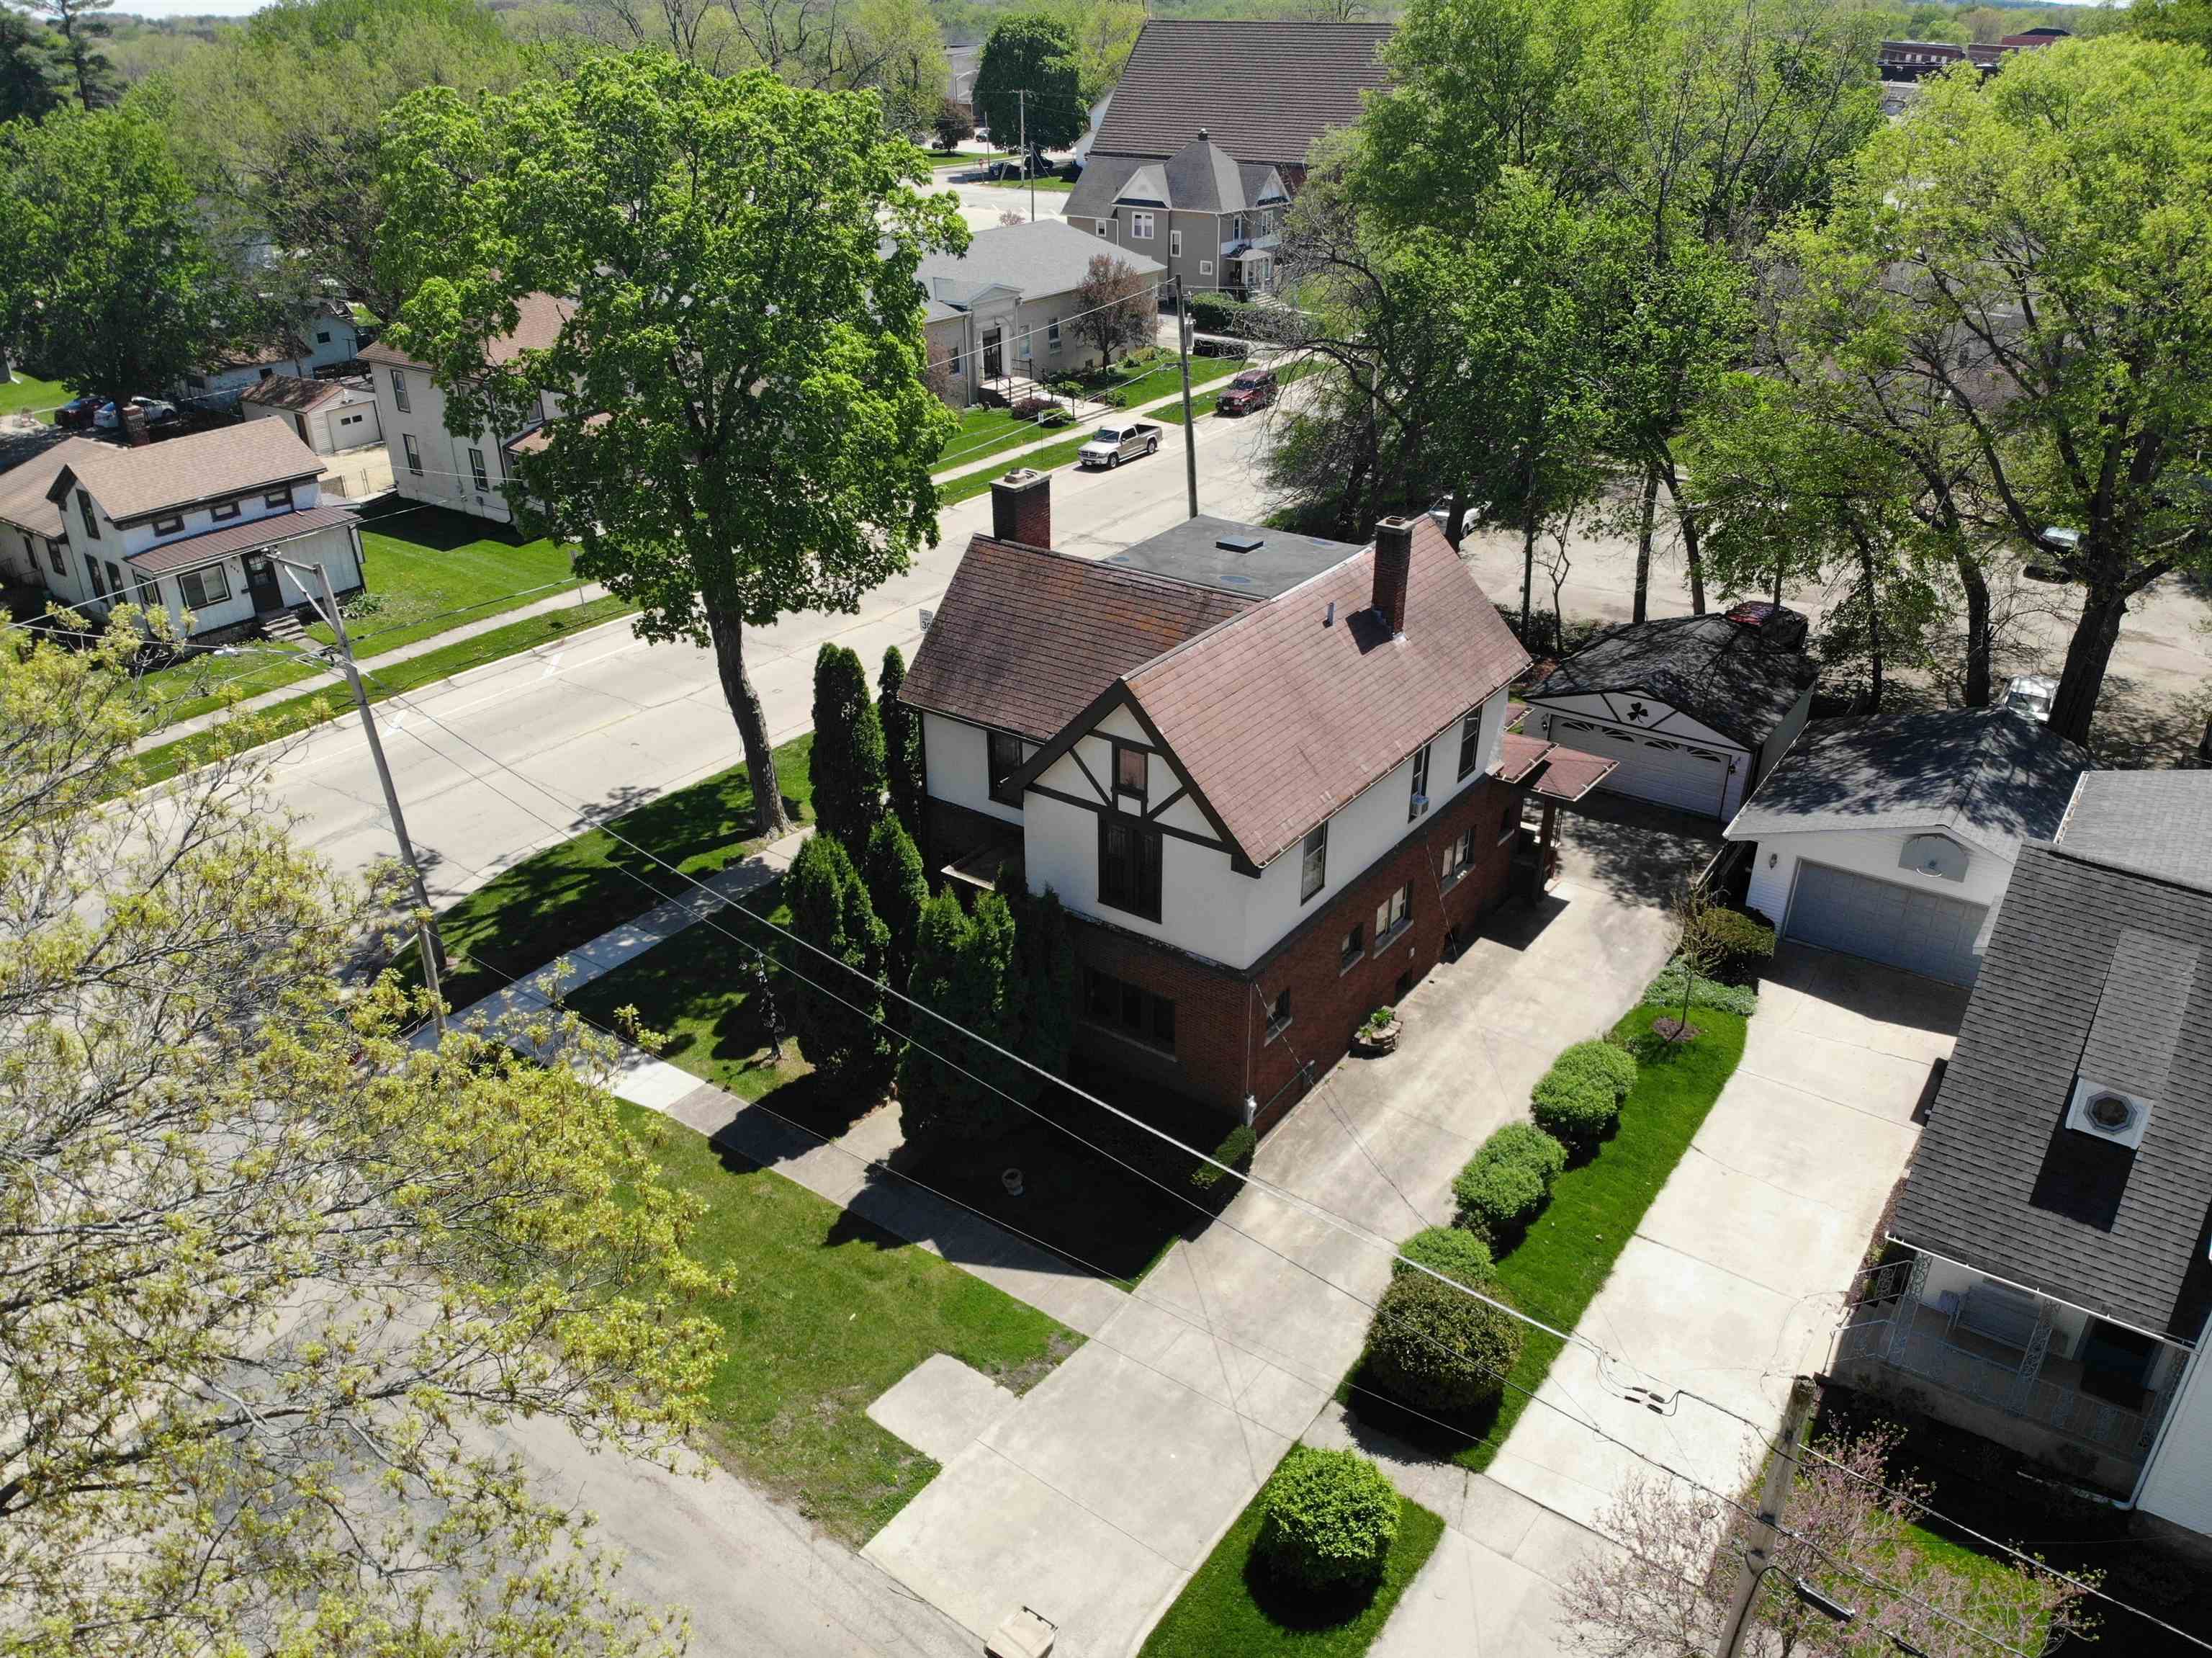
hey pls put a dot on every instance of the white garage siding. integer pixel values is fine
(2178, 1484)
(1692, 776)
(1914, 927)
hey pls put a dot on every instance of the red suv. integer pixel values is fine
(1253, 389)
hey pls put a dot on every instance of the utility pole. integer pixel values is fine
(426, 925)
(1189, 426)
(1773, 1497)
(1022, 103)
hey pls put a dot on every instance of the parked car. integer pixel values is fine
(2030, 694)
(76, 414)
(156, 412)
(1109, 446)
(1255, 388)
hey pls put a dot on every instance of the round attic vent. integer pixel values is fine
(2110, 1112)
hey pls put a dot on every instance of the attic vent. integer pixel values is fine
(2107, 1114)
(1241, 543)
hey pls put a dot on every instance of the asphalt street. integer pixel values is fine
(602, 722)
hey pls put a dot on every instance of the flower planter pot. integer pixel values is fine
(1379, 1041)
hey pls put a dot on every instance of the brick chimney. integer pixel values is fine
(1021, 508)
(1393, 567)
(131, 419)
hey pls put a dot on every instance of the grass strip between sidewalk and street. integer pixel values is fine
(1230, 1606)
(527, 917)
(825, 1314)
(297, 714)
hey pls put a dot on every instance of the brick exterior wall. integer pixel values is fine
(1222, 1053)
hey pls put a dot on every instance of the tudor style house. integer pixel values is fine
(2052, 1278)
(185, 526)
(1204, 140)
(471, 473)
(1261, 770)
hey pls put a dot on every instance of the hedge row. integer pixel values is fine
(1506, 1184)
(1578, 1100)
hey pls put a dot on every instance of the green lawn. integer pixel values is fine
(24, 395)
(1595, 1208)
(1229, 1609)
(298, 713)
(969, 484)
(1054, 186)
(1202, 404)
(829, 1313)
(984, 432)
(567, 895)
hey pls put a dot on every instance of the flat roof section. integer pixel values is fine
(1242, 558)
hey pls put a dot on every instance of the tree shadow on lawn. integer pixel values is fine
(438, 528)
(1289, 1607)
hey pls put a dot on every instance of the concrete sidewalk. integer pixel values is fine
(998, 458)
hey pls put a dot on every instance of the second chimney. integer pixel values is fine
(1393, 567)
(1021, 508)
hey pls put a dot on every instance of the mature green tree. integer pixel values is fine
(1105, 33)
(1031, 53)
(744, 428)
(902, 756)
(34, 73)
(2019, 273)
(279, 122)
(836, 998)
(275, 1274)
(2187, 22)
(898, 887)
(106, 280)
(1043, 980)
(81, 29)
(845, 764)
(890, 47)
(949, 1085)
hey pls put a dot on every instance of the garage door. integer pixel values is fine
(1885, 921)
(1677, 774)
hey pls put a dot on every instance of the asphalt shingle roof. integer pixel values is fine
(2087, 964)
(1992, 777)
(1731, 677)
(2155, 823)
(135, 483)
(23, 500)
(291, 392)
(1043, 258)
(539, 323)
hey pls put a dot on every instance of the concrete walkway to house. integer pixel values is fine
(1095, 1499)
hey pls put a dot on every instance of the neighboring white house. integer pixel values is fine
(185, 525)
(1893, 837)
(2052, 1289)
(472, 471)
(322, 337)
(1692, 709)
(328, 415)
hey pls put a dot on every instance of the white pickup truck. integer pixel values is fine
(1109, 446)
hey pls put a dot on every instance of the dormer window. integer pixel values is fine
(91, 518)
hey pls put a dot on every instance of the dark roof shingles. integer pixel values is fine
(1727, 676)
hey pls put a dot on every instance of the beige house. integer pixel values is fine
(1001, 314)
(186, 526)
(328, 415)
(1215, 222)
(472, 472)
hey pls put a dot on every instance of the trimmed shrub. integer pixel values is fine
(1114, 400)
(1438, 1348)
(1327, 1519)
(1451, 1249)
(1209, 1185)
(1506, 1184)
(1578, 1100)
(1744, 941)
(1666, 990)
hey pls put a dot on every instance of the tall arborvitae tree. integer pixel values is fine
(957, 1088)
(846, 763)
(836, 1002)
(898, 887)
(1044, 995)
(904, 771)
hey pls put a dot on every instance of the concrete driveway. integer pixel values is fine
(1095, 1498)
(1733, 1281)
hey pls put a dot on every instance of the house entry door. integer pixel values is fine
(261, 583)
(995, 352)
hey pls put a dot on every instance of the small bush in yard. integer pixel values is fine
(1451, 1249)
(1437, 1348)
(1666, 990)
(1030, 407)
(1329, 1518)
(1209, 1185)
(1579, 1098)
(1742, 943)
(1506, 1184)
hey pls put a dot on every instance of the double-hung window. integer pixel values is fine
(1129, 865)
(1279, 1015)
(1470, 743)
(1458, 856)
(1141, 227)
(91, 518)
(1052, 333)
(1004, 760)
(1174, 244)
(414, 454)
(1128, 1009)
(399, 392)
(1417, 798)
(476, 471)
(1313, 867)
(1354, 947)
(54, 556)
(1393, 914)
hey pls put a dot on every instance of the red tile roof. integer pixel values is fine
(1550, 769)
(1278, 718)
(1024, 640)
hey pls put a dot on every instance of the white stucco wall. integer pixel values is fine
(957, 765)
(2178, 1484)
(1871, 852)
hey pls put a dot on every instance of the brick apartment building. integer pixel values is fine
(1268, 776)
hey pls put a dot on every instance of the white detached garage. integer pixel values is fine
(1894, 838)
(1693, 710)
